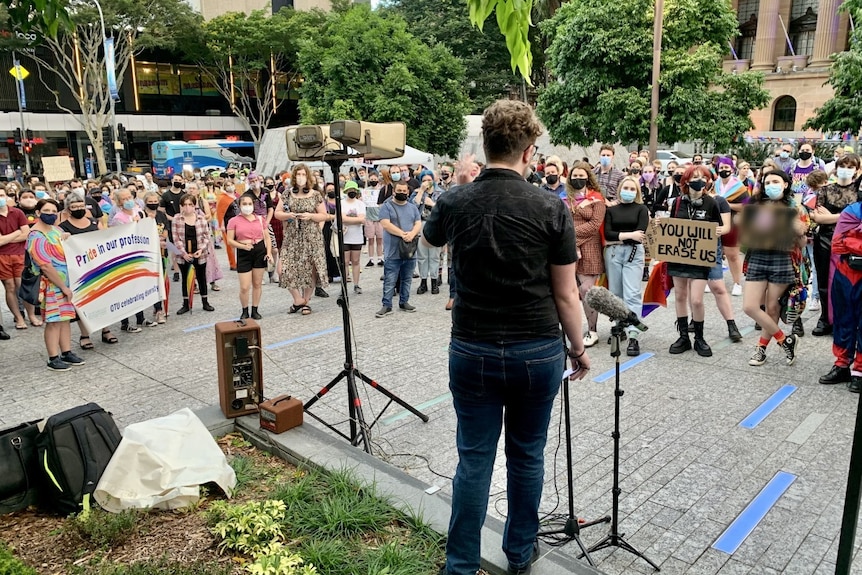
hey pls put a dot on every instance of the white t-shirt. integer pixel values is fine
(353, 234)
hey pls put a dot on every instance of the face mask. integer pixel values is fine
(246, 210)
(396, 176)
(373, 183)
(255, 185)
(845, 173)
(724, 173)
(405, 175)
(153, 207)
(96, 195)
(805, 155)
(188, 209)
(444, 176)
(177, 185)
(301, 181)
(774, 191)
(649, 177)
(579, 183)
(677, 178)
(330, 195)
(784, 155)
(552, 179)
(605, 161)
(351, 194)
(40, 195)
(129, 205)
(28, 203)
(628, 196)
(2, 203)
(78, 214)
(696, 185)
(401, 197)
(48, 219)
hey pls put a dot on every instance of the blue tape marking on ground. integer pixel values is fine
(742, 526)
(200, 327)
(630, 363)
(302, 338)
(767, 407)
(424, 405)
(726, 341)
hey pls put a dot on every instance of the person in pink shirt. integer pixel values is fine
(247, 233)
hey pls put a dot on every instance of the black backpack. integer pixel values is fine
(74, 447)
(19, 467)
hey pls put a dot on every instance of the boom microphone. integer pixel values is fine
(606, 303)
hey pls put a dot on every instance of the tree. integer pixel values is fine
(257, 53)
(483, 55)
(366, 66)
(23, 15)
(601, 57)
(514, 21)
(843, 112)
(135, 25)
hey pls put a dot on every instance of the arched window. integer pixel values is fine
(784, 114)
(746, 15)
(803, 23)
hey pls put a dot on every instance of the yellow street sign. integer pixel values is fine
(19, 72)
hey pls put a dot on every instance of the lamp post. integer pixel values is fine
(109, 69)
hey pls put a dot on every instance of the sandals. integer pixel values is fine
(214, 287)
(295, 308)
(306, 310)
(20, 326)
(37, 323)
(108, 337)
(88, 345)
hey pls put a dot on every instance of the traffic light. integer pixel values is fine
(17, 136)
(28, 147)
(121, 133)
(29, 134)
(106, 135)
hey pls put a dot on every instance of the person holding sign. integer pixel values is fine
(769, 269)
(625, 232)
(689, 280)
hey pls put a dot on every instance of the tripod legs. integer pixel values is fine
(616, 540)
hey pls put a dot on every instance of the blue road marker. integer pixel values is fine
(205, 326)
(301, 338)
(767, 407)
(742, 526)
(630, 363)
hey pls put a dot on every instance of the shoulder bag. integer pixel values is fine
(30, 282)
(406, 250)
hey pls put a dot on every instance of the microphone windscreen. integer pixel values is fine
(606, 303)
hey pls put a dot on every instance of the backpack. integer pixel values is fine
(74, 448)
(19, 467)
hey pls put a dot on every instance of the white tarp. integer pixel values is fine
(161, 464)
(411, 157)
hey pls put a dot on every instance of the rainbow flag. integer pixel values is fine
(657, 290)
(732, 190)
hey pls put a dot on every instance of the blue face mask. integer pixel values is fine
(129, 204)
(774, 191)
(396, 176)
(49, 219)
(605, 161)
(2, 203)
(845, 173)
(41, 195)
(628, 196)
(784, 155)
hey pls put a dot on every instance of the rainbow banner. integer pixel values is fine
(115, 273)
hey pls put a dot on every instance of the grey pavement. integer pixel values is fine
(687, 468)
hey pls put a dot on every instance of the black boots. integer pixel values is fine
(206, 305)
(185, 308)
(435, 286)
(700, 346)
(682, 344)
(254, 313)
(244, 314)
(733, 331)
(423, 287)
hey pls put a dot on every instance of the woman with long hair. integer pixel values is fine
(735, 191)
(191, 234)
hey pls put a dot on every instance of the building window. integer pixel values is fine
(746, 39)
(803, 23)
(279, 4)
(784, 115)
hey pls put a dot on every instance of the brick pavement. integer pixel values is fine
(687, 467)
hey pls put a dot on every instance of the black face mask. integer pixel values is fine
(401, 197)
(445, 176)
(372, 182)
(579, 183)
(153, 207)
(330, 194)
(78, 214)
(177, 185)
(677, 178)
(552, 179)
(696, 185)
(724, 173)
(351, 194)
(804, 155)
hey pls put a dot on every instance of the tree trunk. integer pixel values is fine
(99, 152)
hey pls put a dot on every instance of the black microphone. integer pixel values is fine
(606, 303)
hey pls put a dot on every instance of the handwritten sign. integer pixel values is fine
(680, 241)
(57, 168)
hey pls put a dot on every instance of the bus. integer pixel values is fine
(177, 156)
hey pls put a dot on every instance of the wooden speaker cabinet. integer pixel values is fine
(240, 367)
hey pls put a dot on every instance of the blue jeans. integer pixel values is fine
(392, 270)
(625, 274)
(492, 383)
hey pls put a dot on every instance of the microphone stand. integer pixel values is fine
(614, 538)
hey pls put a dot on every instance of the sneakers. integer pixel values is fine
(160, 317)
(706, 289)
(58, 364)
(148, 323)
(633, 349)
(383, 311)
(357, 290)
(759, 357)
(129, 328)
(591, 338)
(815, 304)
(370, 264)
(380, 264)
(836, 375)
(736, 291)
(789, 346)
(406, 307)
(71, 359)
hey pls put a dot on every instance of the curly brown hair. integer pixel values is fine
(508, 128)
(310, 180)
(592, 181)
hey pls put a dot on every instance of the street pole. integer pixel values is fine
(18, 83)
(113, 112)
(656, 70)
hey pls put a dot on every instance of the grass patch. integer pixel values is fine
(11, 565)
(102, 529)
(156, 567)
(247, 471)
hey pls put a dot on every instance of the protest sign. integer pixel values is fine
(57, 168)
(115, 273)
(679, 241)
(768, 227)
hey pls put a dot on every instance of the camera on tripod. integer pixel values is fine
(370, 140)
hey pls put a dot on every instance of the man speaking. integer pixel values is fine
(514, 255)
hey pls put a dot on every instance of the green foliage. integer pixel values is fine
(601, 58)
(249, 527)
(161, 566)
(514, 21)
(103, 529)
(278, 560)
(247, 473)
(11, 565)
(48, 15)
(754, 152)
(366, 64)
(483, 54)
(843, 112)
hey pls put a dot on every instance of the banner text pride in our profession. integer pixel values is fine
(100, 249)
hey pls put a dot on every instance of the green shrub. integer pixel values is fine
(157, 567)
(11, 565)
(248, 527)
(278, 560)
(103, 529)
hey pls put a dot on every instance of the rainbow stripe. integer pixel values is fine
(114, 273)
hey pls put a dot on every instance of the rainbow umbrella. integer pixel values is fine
(190, 278)
(166, 265)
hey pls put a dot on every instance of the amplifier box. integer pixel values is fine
(240, 369)
(280, 413)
